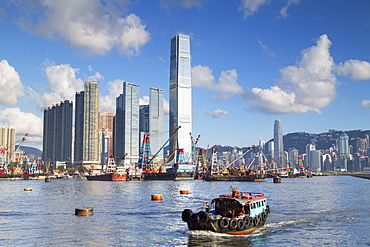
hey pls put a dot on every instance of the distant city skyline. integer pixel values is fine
(304, 62)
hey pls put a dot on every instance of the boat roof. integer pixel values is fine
(242, 197)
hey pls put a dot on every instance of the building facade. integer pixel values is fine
(126, 130)
(86, 143)
(180, 94)
(278, 142)
(7, 143)
(105, 136)
(57, 133)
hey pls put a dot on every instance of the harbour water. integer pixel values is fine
(318, 211)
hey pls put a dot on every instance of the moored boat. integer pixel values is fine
(236, 213)
(113, 173)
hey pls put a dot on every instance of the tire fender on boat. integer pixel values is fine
(186, 215)
(202, 217)
(233, 224)
(224, 222)
(255, 221)
(240, 224)
(247, 221)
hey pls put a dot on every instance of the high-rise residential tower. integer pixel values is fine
(127, 125)
(86, 124)
(57, 133)
(7, 143)
(79, 127)
(278, 142)
(105, 136)
(180, 94)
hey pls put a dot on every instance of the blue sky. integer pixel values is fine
(305, 62)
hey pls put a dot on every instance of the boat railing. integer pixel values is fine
(248, 195)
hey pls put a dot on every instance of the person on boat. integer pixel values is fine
(206, 206)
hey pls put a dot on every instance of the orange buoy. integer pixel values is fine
(84, 211)
(184, 192)
(27, 189)
(157, 197)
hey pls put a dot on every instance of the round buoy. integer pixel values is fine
(27, 189)
(84, 211)
(184, 192)
(156, 197)
(47, 179)
(277, 179)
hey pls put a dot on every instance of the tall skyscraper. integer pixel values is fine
(105, 136)
(180, 94)
(278, 142)
(57, 133)
(156, 121)
(86, 121)
(127, 125)
(79, 128)
(7, 143)
(151, 121)
(344, 146)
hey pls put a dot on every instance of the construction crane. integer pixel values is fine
(4, 166)
(149, 161)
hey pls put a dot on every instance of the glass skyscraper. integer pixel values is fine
(156, 120)
(180, 94)
(278, 143)
(127, 125)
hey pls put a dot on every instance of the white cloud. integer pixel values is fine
(308, 86)
(356, 69)
(144, 100)
(249, 7)
(62, 85)
(365, 103)
(108, 103)
(10, 84)
(96, 77)
(87, 24)
(217, 113)
(226, 86)
(266, 49)
(284, 10)
(23, 123)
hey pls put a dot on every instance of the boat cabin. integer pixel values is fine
(241, 204)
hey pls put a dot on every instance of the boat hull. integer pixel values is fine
(169, 176)
(232, 226)
(244, 178)
(107, 177)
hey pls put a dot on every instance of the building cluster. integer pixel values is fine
(85, 136)
(7, 144)
(338, 155)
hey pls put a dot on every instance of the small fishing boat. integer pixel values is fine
(236, 213)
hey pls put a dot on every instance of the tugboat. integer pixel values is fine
(236, 213)
(113, 173)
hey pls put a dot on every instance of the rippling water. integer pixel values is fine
(318, 211)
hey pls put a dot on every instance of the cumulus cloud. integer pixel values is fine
(107, 103)
(284, 10)
(10, 84)
(22, 122)
(365, 103)
(92, 25)
(357, 70)
(308, 86)
(249, 7)
(217, 113)
(62, 85)
(226, 86)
